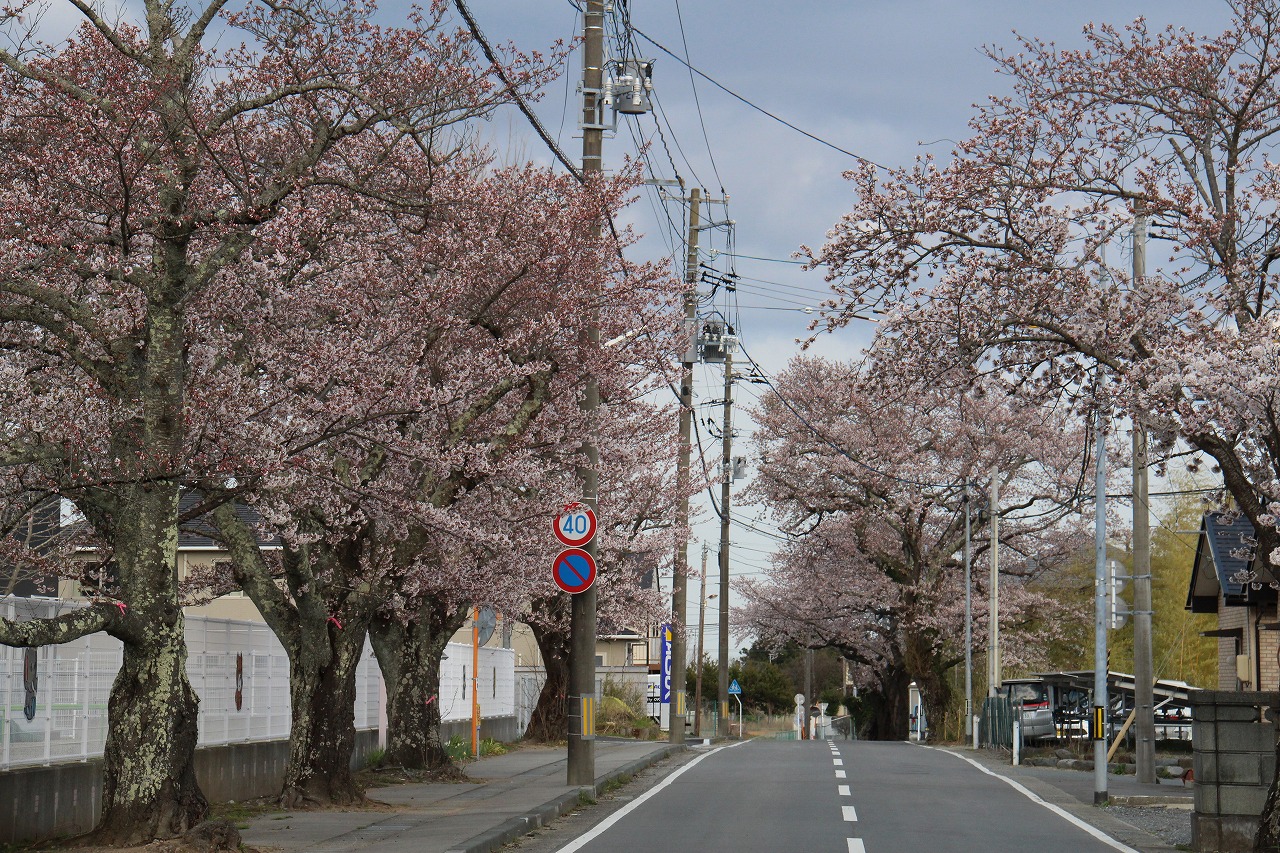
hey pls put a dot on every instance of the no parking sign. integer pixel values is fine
(574, 571)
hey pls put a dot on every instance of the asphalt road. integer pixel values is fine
(844, 797)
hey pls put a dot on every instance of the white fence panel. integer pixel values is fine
(238, 669)
(73, 682)
(497, 682)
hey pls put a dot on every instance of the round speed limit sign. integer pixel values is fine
(576, 526)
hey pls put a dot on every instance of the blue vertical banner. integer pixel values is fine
(664, 689)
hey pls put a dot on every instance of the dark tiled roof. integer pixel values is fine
(199, 533)
(1224, 550)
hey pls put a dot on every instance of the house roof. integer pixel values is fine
(198, 534)
(1223, 551)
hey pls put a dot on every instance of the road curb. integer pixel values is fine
(517, 827)
(1144, 801)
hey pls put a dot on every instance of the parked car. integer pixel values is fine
(1037, 710)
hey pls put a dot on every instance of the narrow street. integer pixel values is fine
(769, 796)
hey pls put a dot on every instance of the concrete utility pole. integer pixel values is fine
(581, 759)
(1099, 722)
(679, 583)
(968, 623)
(726, 444)
(702, 622)
(995, 674)
(1143, 664)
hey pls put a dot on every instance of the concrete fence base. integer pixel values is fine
(37, 803)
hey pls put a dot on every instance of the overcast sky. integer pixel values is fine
(887, 80)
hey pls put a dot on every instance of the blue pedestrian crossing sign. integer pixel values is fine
(734, 688)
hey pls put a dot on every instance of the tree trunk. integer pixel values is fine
(890, 721)
(322, 693)
(409, 655)
(550, 718)
(926, 666)
(936, 694)
(149, 781)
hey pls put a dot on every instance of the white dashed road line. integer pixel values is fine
(849, 813)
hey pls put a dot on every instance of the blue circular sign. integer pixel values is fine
(574, 570)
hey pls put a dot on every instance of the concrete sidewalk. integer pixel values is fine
(1078, 784)
(511, 795)
(1072, 791)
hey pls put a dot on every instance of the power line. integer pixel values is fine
(825, 292)
(806, 310)
(659, 111)
(515, 94)
(768, 260)
(753, 106)
(533, 119)
(697, 103)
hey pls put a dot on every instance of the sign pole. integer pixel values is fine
(581, 755)
(475, 682)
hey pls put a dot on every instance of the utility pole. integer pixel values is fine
(1099, 723)
(702, 621)
(679, 583)
(726, 444)
(1143, 665)
(968, 623)
(995, 675)
(581, 758)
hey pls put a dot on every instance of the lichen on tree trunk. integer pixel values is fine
(409, 654)
(149, 783)
(1268, 839)
(322, 693)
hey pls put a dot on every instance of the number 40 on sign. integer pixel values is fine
(576, 526)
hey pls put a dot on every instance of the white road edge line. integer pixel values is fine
(600, 828)
(1058, 810)
(843, 790)
(850, 814)
(855, 846)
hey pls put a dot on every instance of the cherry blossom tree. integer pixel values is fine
(871, 483)
(155, 185)
(999, 256)
(405, 523)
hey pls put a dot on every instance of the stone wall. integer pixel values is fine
(1234, 743)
